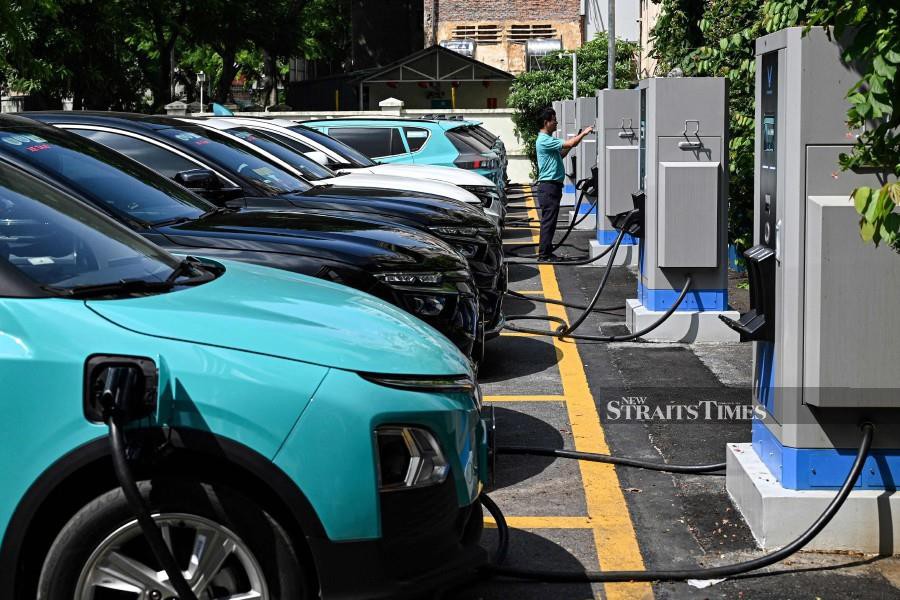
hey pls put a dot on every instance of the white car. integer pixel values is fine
(346, 160)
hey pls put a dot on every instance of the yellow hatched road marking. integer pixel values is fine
(614, 536)
(525, 398)
(519, 334)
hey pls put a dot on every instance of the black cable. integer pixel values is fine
(698, 573)
(502, 529)
(609, 459)
(564, 328)
(571, 227)
(142, 512)
(601, 309)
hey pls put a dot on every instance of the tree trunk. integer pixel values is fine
(223, 87)
(270, 89)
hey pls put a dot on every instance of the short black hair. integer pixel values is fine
(546, 114)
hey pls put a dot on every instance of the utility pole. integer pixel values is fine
(574, 57)
(611, 45)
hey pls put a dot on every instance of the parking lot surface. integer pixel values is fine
(575, 516)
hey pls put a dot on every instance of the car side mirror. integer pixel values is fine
(319, 157)
(198, 179)
(123, 386)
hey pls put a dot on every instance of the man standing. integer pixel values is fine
(550, 152)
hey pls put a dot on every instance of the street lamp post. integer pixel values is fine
(574, 73)
(201, 81)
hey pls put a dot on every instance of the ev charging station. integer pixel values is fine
(565, 117)
(585, 161)
(617, 170)
(683, 176)
(823, 321)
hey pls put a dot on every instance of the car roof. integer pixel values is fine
(130, 120)
(389, 121)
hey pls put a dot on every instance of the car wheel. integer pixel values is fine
(227, 546)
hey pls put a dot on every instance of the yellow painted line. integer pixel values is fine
(614, 536)
(544, 522)
(525, 398)
(535, 292)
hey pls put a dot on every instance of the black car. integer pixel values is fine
(413, 270)
(224, 170)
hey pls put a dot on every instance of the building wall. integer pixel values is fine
(628, 14)
(500, 27)
(375, 25)
(469, 95)
(649, 15)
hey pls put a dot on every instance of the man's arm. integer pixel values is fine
(574, 141)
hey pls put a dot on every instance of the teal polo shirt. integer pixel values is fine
(549, 160)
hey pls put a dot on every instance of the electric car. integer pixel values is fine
(342, 158)
(415, 141)
(291, 154)
(229, 173)
(404, 266)
(281, 427)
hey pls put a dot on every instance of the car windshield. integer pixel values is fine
(120, 184)
(57, 241)
(233, 156)
(353, 156)
(309, 168)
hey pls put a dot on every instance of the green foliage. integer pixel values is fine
(532, 91)
(110, 53)
(715, 38)
(870, 38)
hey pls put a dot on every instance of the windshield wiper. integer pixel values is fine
(174, 221)
(123, 286)
(186, 267)
(217, 211)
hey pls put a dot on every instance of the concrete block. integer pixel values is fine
(589, 222)
(868, 522)
(627, 255)
(682, 326)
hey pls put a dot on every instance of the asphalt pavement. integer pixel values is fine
(627, 398)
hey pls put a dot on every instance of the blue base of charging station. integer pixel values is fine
(586, 207)
(661, 300)
(823, 468)
(607, 237)
(569, 188)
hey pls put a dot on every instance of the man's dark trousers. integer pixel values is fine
(549, 196)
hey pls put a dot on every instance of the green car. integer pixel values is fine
(288, 432)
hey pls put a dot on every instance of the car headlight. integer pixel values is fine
(423, 383)
(410, 278)
(459, 231)
(408, 458)
(467, 250)
(486, 193)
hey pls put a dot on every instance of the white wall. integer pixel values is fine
(627, 15)
(498, 120)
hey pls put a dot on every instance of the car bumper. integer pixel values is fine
(428, 542)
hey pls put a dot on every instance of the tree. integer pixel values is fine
(729, 28)
(532, 91)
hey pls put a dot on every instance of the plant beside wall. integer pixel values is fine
(532, 91)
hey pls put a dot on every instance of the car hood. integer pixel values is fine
(378, 246)
(276, 313)
(418, 207)
(437, 173)
(395, 182)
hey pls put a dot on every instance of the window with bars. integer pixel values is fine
(482, 34)
(530, 31)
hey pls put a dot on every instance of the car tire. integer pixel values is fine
(265, 558)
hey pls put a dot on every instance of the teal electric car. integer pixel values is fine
(292, 438)
(440, 142)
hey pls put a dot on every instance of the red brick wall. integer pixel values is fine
(502, 10)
